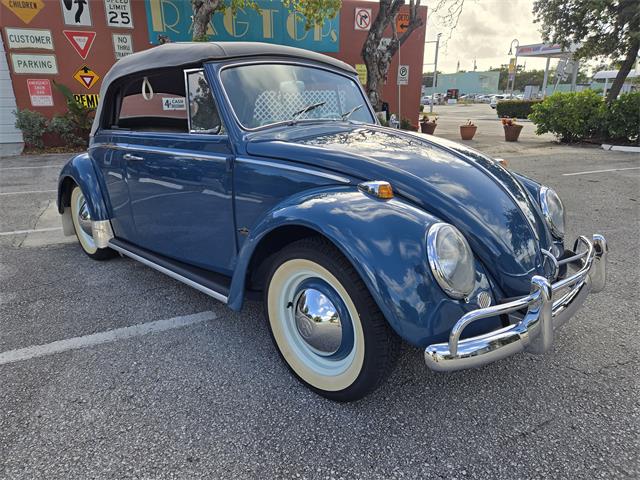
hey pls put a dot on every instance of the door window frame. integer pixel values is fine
(222, 131)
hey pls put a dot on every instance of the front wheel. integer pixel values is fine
(82, 225)
(325, 324)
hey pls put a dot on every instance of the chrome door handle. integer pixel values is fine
(128, 156)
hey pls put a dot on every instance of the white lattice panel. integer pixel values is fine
(272, 106)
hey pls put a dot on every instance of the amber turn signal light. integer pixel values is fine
(378, 188)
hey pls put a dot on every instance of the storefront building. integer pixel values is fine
(75, 42)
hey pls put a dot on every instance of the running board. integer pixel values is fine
(206, 282)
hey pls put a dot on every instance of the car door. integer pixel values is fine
(180, 182)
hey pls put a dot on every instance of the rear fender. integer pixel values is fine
(81, 171)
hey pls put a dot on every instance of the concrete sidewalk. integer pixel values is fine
(489, 137)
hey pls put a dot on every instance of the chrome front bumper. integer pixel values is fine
(547, 307)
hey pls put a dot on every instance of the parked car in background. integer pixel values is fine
(250, 170)
(495, 99)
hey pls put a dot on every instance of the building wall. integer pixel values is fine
(52, 57)
(411, 54)
(467, 82)
(10, 137)
(99, 58)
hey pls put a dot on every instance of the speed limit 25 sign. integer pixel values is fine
(118, 13)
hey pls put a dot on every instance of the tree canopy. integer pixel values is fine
(606, 28)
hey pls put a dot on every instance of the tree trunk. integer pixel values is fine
(625, 68)
(376, 55)
(202, 11)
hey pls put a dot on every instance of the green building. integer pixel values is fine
(466, 82)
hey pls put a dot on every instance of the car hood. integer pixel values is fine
(456, 184)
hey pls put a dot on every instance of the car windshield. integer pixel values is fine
(264, 94)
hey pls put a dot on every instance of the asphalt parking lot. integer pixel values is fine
(200, 392)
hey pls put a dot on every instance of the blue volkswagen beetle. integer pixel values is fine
(246, 169)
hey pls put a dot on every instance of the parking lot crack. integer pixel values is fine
(35, 224)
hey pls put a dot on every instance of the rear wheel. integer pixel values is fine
(325, 324)
(82, 225)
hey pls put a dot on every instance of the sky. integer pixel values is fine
(484, 32)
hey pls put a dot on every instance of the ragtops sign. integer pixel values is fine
(273, 24)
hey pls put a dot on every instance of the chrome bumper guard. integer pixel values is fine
(548, 307)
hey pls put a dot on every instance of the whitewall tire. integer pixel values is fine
(82, 225)
(324, 322)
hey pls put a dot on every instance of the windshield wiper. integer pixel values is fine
(306, 109)
(346, 115)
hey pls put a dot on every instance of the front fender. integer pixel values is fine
(385, 241)
(81, 170)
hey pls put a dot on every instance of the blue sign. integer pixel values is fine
(274, 23)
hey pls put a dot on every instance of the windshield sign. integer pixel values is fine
(265, 94)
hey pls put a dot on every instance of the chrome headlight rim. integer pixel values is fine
(556, 230)
(434, 261)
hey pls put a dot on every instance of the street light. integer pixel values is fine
(515, 67)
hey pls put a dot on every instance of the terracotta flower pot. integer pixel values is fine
(428, 127)
(467, 131)
(512, 132)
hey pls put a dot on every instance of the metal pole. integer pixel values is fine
(434, 82)
(546, 78)
(515, 72)
(574, 75)
(399, 88)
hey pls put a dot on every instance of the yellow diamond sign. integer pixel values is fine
(87, 77)
(25, 10)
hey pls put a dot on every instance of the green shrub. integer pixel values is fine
(66, 129)
(515, 108)
(623, 118)
(33, 126)
(570, 116)
(405, 124)
(75, 125)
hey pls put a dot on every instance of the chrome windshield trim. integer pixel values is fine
(287, 62)
(292, 168)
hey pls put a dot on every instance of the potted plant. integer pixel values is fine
(468, 130)
(428, 126)
(511, 129)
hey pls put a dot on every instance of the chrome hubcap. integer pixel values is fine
(318, 321)
(84, 218)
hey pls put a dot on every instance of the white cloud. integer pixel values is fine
(484, 33)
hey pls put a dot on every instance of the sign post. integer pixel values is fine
(434, 81)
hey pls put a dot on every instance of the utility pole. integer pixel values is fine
(434, 82)
(515, 67)
(399, 87)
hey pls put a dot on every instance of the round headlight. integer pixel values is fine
(553, 211)
(451, 260)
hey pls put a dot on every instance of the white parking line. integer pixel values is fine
(31, 167)
(600, 171)
(75, 343)
(29, 191)
(37, 230)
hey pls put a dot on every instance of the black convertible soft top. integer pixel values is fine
(190, 53)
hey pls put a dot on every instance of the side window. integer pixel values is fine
(202, 110)
(154, 103)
